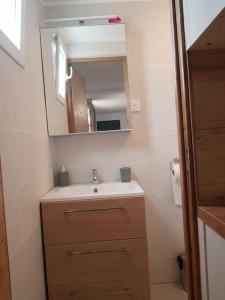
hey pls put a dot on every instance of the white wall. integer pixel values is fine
(153, 143)
(26, 160)
(198, 15)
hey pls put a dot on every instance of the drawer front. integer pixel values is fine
(98, 220)
(5, 289)
(96, 262)
(127, 290)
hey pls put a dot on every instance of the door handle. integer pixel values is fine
(70, 211)
(75, 253)
(125, 291)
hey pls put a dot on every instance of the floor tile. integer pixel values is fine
(168, 292)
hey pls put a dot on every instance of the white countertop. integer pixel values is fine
(86, 191)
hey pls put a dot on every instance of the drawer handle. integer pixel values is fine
(70, 211)
(109, 293)
(74, 253)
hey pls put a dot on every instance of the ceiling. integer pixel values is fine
(71, 2)
(93, 34)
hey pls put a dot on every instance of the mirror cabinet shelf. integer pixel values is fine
(94, 132)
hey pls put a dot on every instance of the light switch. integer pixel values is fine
(135, 105)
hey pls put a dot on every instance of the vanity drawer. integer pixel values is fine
(93, 220)
(96, 262)
(126, 290)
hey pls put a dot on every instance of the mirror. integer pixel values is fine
(85, 78)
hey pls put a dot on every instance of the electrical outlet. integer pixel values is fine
(135, 105)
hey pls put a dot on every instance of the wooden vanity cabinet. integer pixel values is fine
(96, 249)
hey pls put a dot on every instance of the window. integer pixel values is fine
(61, 70)
(11, 28)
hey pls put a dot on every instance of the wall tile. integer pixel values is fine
(150, 81)
(166, 241)
(14, 223)
(164, 271)
(162, 112)
(24, 157)
(65, 150)
(156, 113)
(30, 195)
(120, 148)
(157, 47)
(163, 211)
(27, 270)
(135, 55)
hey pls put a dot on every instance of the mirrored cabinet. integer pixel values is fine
(85, 78)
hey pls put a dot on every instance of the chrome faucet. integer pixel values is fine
(95, 176)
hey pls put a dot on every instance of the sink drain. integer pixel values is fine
(95, 190)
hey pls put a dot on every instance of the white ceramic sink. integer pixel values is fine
(89, 191)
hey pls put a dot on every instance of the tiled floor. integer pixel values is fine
(167, 292)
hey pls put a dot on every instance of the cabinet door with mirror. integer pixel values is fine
(85, 78)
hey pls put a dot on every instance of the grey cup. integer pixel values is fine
(125, 174)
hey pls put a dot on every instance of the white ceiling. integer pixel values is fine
(71, 2)
(93, 34)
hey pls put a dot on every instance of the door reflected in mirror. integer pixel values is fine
(85, 77)
(97, 98)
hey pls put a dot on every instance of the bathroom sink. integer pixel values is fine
(89, 191)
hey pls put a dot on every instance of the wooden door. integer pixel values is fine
(5, 289)
(77, 104)
(70, 109)
(186, 151)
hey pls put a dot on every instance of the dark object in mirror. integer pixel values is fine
(108, 125)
